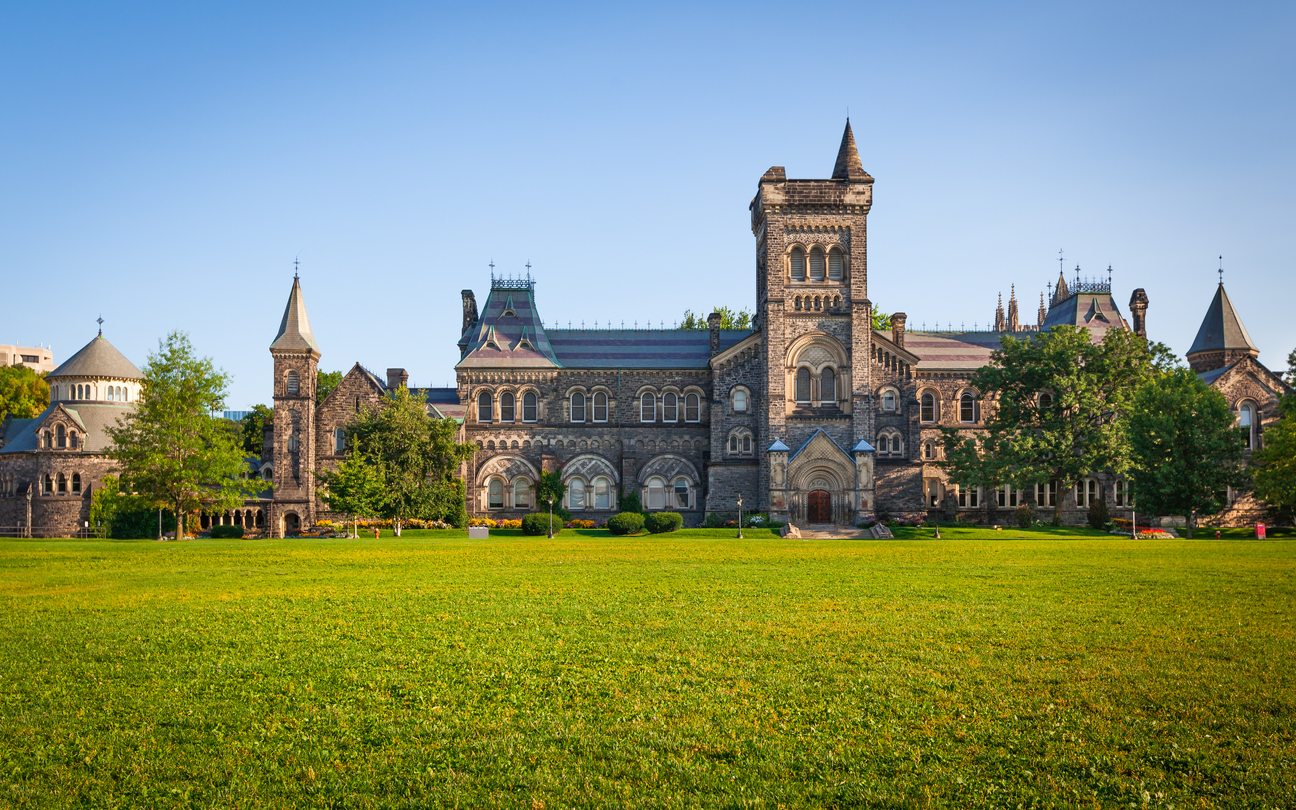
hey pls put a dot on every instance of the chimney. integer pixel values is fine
(898, 328)
(469, 310)
(1138, 309)
(713, 323)
(396, 378)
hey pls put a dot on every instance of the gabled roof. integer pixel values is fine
(496, 340)
(848, 166)
(819, 432)
(1095, 311)
(1252, 367)
(1222, 328)
(94, 418)
(444, 403)
(98, 358)
(295, 329)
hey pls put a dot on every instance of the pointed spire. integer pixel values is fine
(1222, 329)
(1063, 291)
(848, 165)
(1013, 323)
(295, 329)
(1043, 313)
(999, 323)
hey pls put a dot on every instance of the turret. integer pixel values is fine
(1138, 311)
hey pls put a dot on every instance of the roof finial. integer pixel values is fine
(1221, 271)
(528, 268)
(1059, 261)
(296, 263)
(100, 320)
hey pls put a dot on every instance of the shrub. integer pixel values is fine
(1098, 515)
(580, 524)
(663, 522)
(626, 523)
(226, 531)
(1024, 516)
(719, 520)
(629, 502)
(537, 523)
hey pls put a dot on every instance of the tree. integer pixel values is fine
(254, 428)
(325, 382)
(170, 449)
(551, 487)
(355, 488)
(1186, 450)
(24, 393)
(881, 320)
(415, 458)
(1275, 461)
(729, 319)
(1055, 402)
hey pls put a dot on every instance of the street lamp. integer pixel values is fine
(740, 517)
(550, 517)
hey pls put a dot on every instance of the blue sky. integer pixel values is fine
(163, 164)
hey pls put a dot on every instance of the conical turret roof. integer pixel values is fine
(1222, 328)
(295, 329)
(98, 358)
(848, 161)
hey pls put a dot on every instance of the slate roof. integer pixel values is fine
(1222, 328)
(1094, 311)
(955, 351)
(639, 348)
(93, 417)
(98, 358)
(445, 402)
(295, 329)
(508, 333)
(848, 166)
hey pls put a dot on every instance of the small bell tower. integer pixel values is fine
(296, 361)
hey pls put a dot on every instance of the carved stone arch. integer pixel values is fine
(589, 466)
(834, 353)
(669, 466)
(648, 389)
(507, 466)
(821, 456)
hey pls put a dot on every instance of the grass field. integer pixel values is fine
(675, 671)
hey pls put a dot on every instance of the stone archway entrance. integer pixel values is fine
(819, 507)
(292, 524)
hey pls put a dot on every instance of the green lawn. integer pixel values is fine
(668, 670)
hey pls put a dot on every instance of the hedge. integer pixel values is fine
(662, 522)
(626, 523)
(226, 531)
(537, 524)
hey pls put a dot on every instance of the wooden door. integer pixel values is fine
(820, 507)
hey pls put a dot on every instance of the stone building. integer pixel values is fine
(50, 465)
(811, 415)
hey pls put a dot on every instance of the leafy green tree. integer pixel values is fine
(1275, 461)
(355, 488)
(415, 457)
(729, 319)
(881, 320)
(1186, 450)
(325, 382)
(170, 449)
(254, 429)
(551, 486)
(23, 392)
(1054, 410)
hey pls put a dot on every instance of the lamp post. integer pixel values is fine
(550, 517)
(740, 517)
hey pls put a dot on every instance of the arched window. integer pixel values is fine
(797, 303)
(1045, 401)
(803, 386)
(828, 387)
(747, 443)
(692, 408)
(928, 410)
(602, 493)
(49, 484)
(357, 404)
(294, 384)
(495, 490)
(600, 406)
(816, 268)
(929, 451)
(62, 484)
(1118, 494)
(683, 493)
(575, 494)
(61, 435)
(656, 493)
(506, 407)
(49, 440)
(577, 406)
(76, 483)
(292, 443)
(1246, 421)
(73, 440)
(485, 407)
(648, 407)
(670, 407)
(522, 493)
(834, 265)
(967, 408)
(739, 401)
(125, 395)
(111, 389)
(888, 400)
(798, 265)
(529, 407)
(339, 441)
